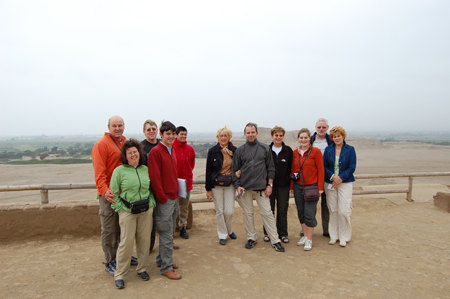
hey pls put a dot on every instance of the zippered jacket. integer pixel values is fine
(282, 162)
(131, 184)
(105, 158)
(214, 163)
(162, 169)
(255, 161)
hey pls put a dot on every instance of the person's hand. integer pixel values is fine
(238, 173)
(239, 190)
(109, 195)
(336, 181)
(320, 192)
(209, 195)
(291, 192)
(268, 191)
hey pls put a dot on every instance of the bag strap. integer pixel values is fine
(301, 171)
(126, 203)
(115, 142)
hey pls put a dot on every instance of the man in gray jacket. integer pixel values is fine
(257, 172)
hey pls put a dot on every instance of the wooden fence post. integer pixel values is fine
(410, 186)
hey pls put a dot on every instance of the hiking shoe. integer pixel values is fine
(110, 269)
(250, 244)
(144, 275)
(120, 284)
(184, 234)
(308, 245)
(134, 261)
(302, 241)
(278, 247)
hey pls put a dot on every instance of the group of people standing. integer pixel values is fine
(137, 188)
(323, 164)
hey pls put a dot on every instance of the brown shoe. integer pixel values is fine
(174, 266)
(172, 274)
(175, 246)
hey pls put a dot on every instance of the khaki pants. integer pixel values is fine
(224, 204)
(133, 227)
(340, 205)
(268, 219)
(183, 211)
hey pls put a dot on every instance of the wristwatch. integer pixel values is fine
(271, 185)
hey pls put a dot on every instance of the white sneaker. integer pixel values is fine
(332, 241)
(302, 241)
(342, 243)
(308, 245)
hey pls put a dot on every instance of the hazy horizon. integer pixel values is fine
(66, 67)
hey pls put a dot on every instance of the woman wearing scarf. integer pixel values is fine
(218, 182)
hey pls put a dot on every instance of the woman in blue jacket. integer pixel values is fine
(340, 164)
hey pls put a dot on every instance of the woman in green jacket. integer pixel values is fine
(131, 183)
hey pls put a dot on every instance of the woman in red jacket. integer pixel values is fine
(312, 171)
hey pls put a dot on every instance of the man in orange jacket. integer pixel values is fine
(105, 158)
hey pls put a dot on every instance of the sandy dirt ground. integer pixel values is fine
(398, 250)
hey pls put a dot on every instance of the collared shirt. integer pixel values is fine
(168, 148)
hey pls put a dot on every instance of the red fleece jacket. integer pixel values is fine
(313, 170)
(162, 169)
(185, 162)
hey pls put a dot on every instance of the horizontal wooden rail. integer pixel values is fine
(44, 188)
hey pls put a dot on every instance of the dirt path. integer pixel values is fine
(397, 251)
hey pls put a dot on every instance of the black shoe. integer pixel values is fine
(278, 247)
(109, 268)
(222, 241)
(326, 235)
(302, 234)
(233, 236)
(184, 234)
(250, 244)
(144, 275)
(134, 261)
(120, 284)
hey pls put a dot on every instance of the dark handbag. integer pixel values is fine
(222, 180)
(137, 207)
(310, 192)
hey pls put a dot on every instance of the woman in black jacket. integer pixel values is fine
(218, 182)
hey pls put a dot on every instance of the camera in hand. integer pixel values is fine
(295, 177)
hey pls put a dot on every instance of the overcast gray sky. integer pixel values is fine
(67, 66)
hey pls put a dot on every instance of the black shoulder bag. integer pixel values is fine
(310, 192)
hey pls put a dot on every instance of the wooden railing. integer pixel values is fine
(44, 188)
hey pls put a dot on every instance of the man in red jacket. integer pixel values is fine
(185, 167)
(162, 169)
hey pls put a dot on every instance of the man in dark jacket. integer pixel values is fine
(254, 160)
(321, 140)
